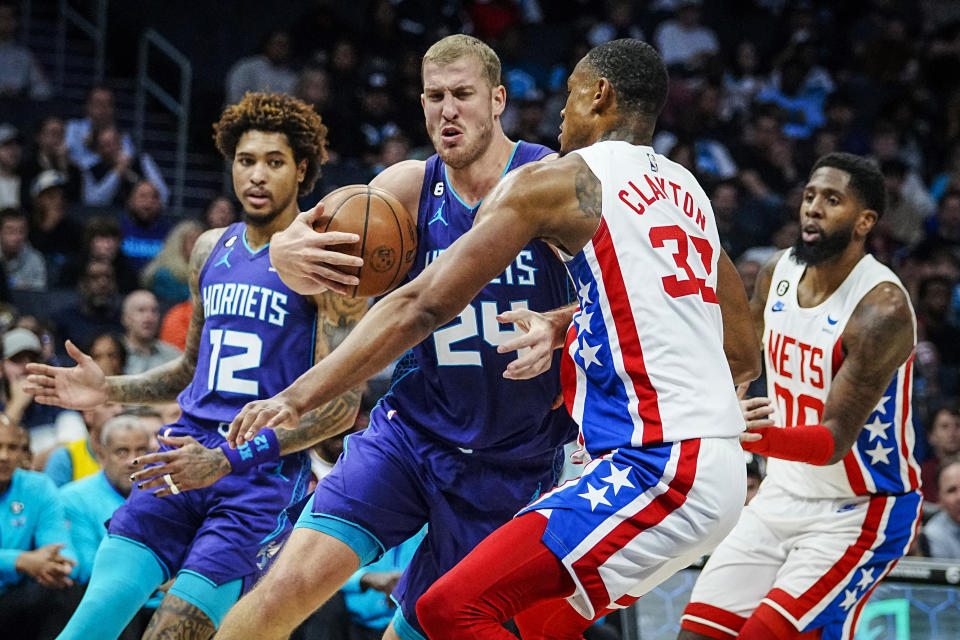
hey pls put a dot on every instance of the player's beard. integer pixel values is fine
(460, 157)
(828, 246)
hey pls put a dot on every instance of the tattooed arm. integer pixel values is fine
(162, 384)
(336, 317)
(84, 386)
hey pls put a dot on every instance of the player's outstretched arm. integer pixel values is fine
(739, 335)
(84, 386)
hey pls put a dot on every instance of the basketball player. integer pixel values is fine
(452, 444)
(644, 366)
(841, 507)
(249, 337)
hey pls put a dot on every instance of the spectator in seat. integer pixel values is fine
(24, 266)
(683, 41)
(11, 154)
(168, 275)
(945, 235)
(109, 181)
(21, 76)
(100, 114)
(21, 346)
(943, 436)
(220, 212)
(909, 203)
(268, 71)
(98, 307)
(52, 231)
(144, 230)
(942, 531)
(49, 153)
(108, 351)
(102, 237)
(37, 564)
(83, 457)
(141, 319)
(90, 501)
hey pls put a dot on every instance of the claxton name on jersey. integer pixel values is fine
(245, 300)
(640, 193)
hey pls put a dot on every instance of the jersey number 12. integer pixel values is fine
(221, 376)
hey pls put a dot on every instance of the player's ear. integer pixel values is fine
(603, 96)
(866, 221)
(301, 170)
(498, 99)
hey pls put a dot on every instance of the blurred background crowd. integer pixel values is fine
(94, 250)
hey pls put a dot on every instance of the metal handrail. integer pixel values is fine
(96, 30)
(179, 108)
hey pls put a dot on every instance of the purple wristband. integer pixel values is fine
(263, 448)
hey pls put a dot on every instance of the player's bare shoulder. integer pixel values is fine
(566, 181)
(765, 275)
(560, 198)
(203, 248)
(881, 327)
(404, 180)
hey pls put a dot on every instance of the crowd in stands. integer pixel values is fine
(759, 89)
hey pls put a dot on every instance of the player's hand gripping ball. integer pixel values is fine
(388, 235)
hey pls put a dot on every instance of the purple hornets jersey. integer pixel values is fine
(258, 335)
(455, 390)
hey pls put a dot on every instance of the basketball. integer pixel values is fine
(388, 235)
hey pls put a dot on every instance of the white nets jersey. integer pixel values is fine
(803, 352)
(644, 358)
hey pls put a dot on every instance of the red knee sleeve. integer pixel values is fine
(767, 623)
(510, 571)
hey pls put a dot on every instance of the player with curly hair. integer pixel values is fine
(205, 515)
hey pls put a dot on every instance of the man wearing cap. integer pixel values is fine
(49, 151)
(25, 267)
(21, 346)
(10, 155)
(52, 232)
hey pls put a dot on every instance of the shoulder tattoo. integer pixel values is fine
(589, 193)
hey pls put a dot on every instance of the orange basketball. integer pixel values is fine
(388, 235)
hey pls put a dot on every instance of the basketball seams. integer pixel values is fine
(363, 240)
(363, 237)
(396, 219)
